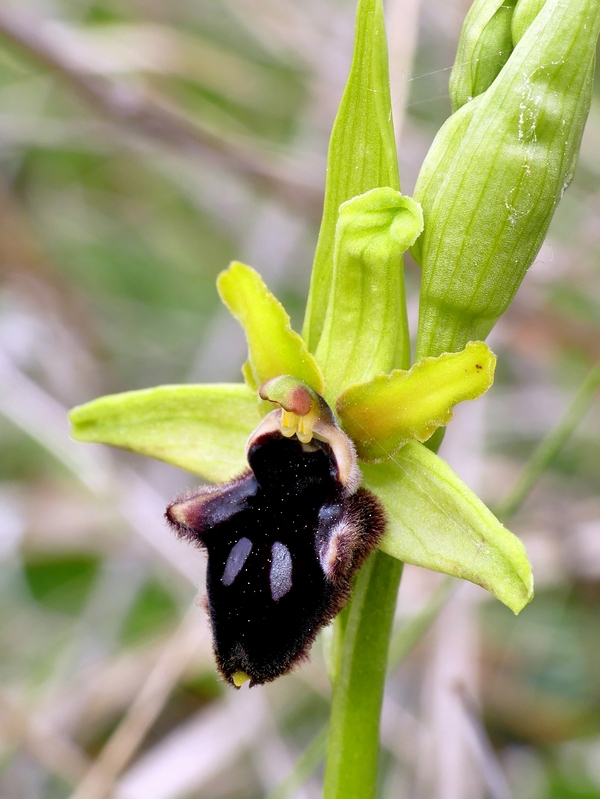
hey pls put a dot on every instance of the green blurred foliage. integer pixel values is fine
(61, 584)
(152, 612)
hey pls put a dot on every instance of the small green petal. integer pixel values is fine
(436, 521)
(273, 347)
(362, 151)
(202, 429)
(382, 415)
(361, 335)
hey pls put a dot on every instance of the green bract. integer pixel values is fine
(362, 152)
(500, 164)
(525, 13)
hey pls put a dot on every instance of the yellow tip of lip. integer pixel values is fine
(239, 678)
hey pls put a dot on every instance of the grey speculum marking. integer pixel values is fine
(235, 560)
(281, 571)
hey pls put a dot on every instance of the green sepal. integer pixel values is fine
(382, 415)
(361, 335)
(484, 47)
(273, 347)
(495, 174)
(436, 521)
(362, 151)
(200, 428)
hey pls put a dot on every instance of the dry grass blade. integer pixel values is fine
(57, 754)
(125, 741)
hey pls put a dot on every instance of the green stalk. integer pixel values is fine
(353, 744)
(362, 156)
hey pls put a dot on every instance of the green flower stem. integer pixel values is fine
(550, 445)
(353, 744)
(362, 156)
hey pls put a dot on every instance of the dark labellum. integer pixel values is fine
(284, 540)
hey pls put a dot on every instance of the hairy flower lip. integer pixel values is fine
(284, 540)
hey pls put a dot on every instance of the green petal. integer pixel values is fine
(273, 347)
(202, 429)
(361, 335)
(436, 521)
(382, 415)
(362, 151)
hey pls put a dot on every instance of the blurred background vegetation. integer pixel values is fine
(143, 145)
